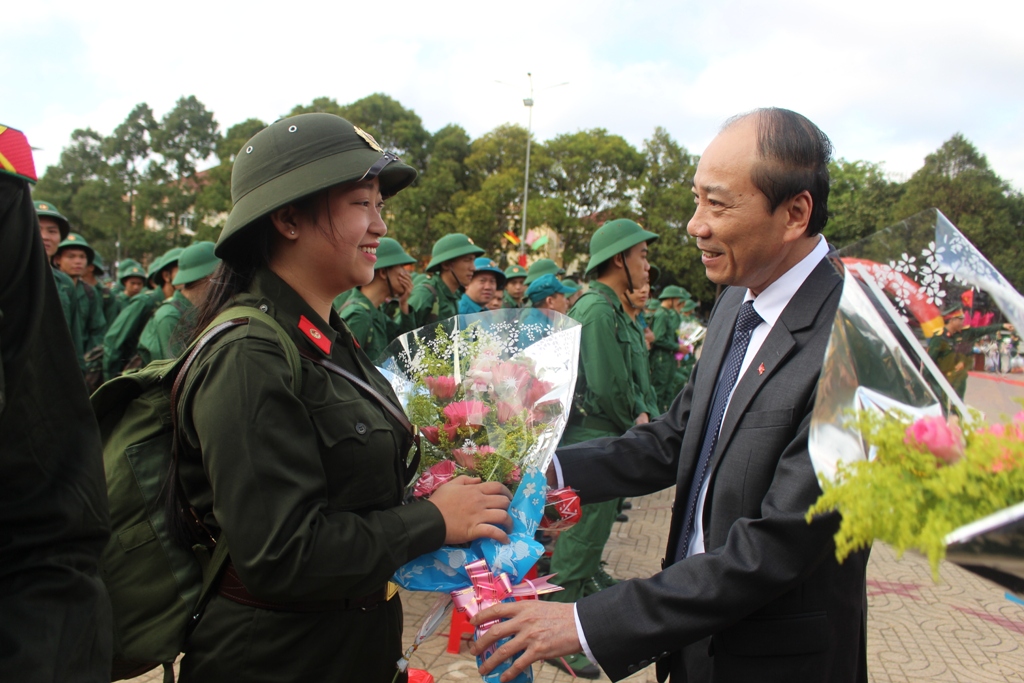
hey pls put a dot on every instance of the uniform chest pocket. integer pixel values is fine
(358, 453)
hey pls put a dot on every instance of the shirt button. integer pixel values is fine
(360, 428)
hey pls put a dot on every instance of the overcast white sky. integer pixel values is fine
(888, 80)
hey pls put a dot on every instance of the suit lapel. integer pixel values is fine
(799, 314)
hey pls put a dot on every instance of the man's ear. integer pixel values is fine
(286, 221)
(798, 215)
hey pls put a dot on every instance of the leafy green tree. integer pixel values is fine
(213, 202)
(424, 212)
(666, 206)
(595, 175)
(862, 200)
(494, 198)
(958, 181)
(187, 135)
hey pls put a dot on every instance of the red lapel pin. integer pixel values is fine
(314, 335)
(760, 369)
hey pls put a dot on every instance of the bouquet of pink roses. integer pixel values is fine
(490, 394)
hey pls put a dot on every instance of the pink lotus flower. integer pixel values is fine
(442, 387)
(466, 413)
(466, 456)
(433, 477)
(934, 434)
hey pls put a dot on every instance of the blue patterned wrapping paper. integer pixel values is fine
(444, 570)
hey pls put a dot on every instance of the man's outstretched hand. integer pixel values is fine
(539, 629)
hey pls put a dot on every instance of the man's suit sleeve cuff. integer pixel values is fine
(579, 627)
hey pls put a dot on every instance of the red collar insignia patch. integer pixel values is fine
(316, 336)
(760, 369)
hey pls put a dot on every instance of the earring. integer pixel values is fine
(293, 232)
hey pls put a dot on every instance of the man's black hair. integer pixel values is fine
(794, 155)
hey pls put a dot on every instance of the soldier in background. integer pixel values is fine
(73, 256)
(54, 228)
(482, 287)
(953, 349)
(163, 337)
(436, 297)
(515, 287)
(122, 339)
(608, 402)
(56, 625)
(131, 280)
(363, 310)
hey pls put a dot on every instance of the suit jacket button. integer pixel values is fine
(360, 428)
(631, 669)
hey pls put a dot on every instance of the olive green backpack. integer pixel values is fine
(157, 586)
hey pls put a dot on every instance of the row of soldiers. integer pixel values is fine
(460, 279)
(133, 321)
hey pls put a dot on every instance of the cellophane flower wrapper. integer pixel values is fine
(878, 380)
(490, 394)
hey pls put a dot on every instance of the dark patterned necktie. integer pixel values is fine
(747, 320)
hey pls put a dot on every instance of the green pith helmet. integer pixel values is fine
(130, 268)
(544, 266)
(196, 262)
(673, 292)
(689, 305)
(652, 304)
(451, 247)
(97, 263)
(615, 237)
(299, 156)
(78, 242)
(390, 253)
(486, 265)
(168, 258)
(515, 271)
(48, 210)
(654, 275)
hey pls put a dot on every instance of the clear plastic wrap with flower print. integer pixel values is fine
(915, 435)
(490, 396)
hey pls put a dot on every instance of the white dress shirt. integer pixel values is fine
(769, 305)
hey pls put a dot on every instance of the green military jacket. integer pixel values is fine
(87, 321)
(431, 296)
(664, 365)
(122, 338)
(508, 302)
(159, 338)
(372, 328)
(111, 307)
(646, 398)
(65, 291)
(607, 397)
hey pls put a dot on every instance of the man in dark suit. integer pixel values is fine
(749, 591)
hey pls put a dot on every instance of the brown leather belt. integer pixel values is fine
(232, 588)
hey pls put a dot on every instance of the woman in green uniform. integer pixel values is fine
(306, 485)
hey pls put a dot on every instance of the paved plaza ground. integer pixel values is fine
(959, 629)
